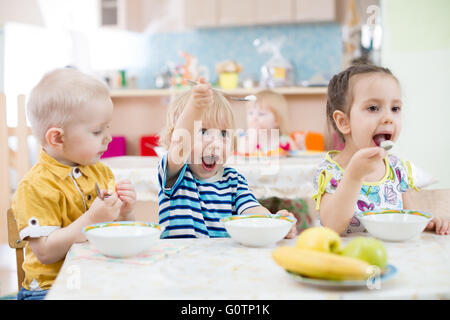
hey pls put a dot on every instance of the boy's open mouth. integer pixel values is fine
(209, 162)
(379, 138)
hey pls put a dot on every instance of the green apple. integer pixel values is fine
(367, 249)
(321, 239)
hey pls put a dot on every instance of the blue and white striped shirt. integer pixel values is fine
(192, 208)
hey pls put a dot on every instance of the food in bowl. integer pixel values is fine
(122, 239)
(395, 225)
(258, 230)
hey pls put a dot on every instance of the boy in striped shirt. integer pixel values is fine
(196, 189)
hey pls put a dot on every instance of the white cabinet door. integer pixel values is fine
(201, 13)
(237, 12)
(123, 14)
(270, 11)
(315, 11)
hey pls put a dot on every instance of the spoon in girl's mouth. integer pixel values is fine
(387, 145)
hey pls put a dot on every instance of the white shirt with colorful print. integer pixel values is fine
(383, 194)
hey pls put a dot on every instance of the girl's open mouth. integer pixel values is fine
(379, 138)
(209, 162)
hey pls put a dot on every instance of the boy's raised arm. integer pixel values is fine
(183, 136)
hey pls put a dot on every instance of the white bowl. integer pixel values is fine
(122, 239)
(395, 225)
(258, 230)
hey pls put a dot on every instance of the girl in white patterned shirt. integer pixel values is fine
(364, 106)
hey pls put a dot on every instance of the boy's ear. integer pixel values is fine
(55, 137)
(342, 122)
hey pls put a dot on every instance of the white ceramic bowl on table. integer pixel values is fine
(258, 230)
(122, 239)
(395, 225)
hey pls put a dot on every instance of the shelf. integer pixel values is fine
(125, 93)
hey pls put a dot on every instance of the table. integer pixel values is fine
(288, 178)
(223, 269)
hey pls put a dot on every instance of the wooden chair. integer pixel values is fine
(15, 243)
(434, 201)
(18, 160)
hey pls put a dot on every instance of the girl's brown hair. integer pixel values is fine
(339, 89)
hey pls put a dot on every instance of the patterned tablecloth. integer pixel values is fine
(287, 178)
(200, 269)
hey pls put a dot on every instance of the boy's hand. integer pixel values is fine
(127, 195)
(293, 232)
(105, 210)
(441, 225)
(201, 96)
(364, 161)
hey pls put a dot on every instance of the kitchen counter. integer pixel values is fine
(118, 93)
(143, 112)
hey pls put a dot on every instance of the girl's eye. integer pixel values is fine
(223, 133)
(97, 132)
(396, 109)
(373, 108)
(204, 130)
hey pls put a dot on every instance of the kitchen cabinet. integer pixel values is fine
(237, 13)
(269, 11)
(315, 11)
(201, 13)
(122, 14)
(228, 13)
(136, 15)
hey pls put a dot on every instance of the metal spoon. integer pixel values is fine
(387, 145)
(247, 98)
(99, 194)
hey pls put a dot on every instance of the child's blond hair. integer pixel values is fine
(277, 104)
(59, 96)
(220, 115)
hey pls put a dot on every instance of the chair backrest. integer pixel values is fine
(18, 159)
(434, 201)
(15, 243)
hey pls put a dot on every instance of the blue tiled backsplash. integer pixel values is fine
(311, 48)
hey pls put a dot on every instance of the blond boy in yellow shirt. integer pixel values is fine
(70, 114)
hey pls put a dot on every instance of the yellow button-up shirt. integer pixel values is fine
(52, 196)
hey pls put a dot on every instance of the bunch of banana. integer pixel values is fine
(317, 254)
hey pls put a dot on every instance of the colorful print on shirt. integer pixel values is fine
(384, 194)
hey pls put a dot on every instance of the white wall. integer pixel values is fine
(416, 48)
(21, 11)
